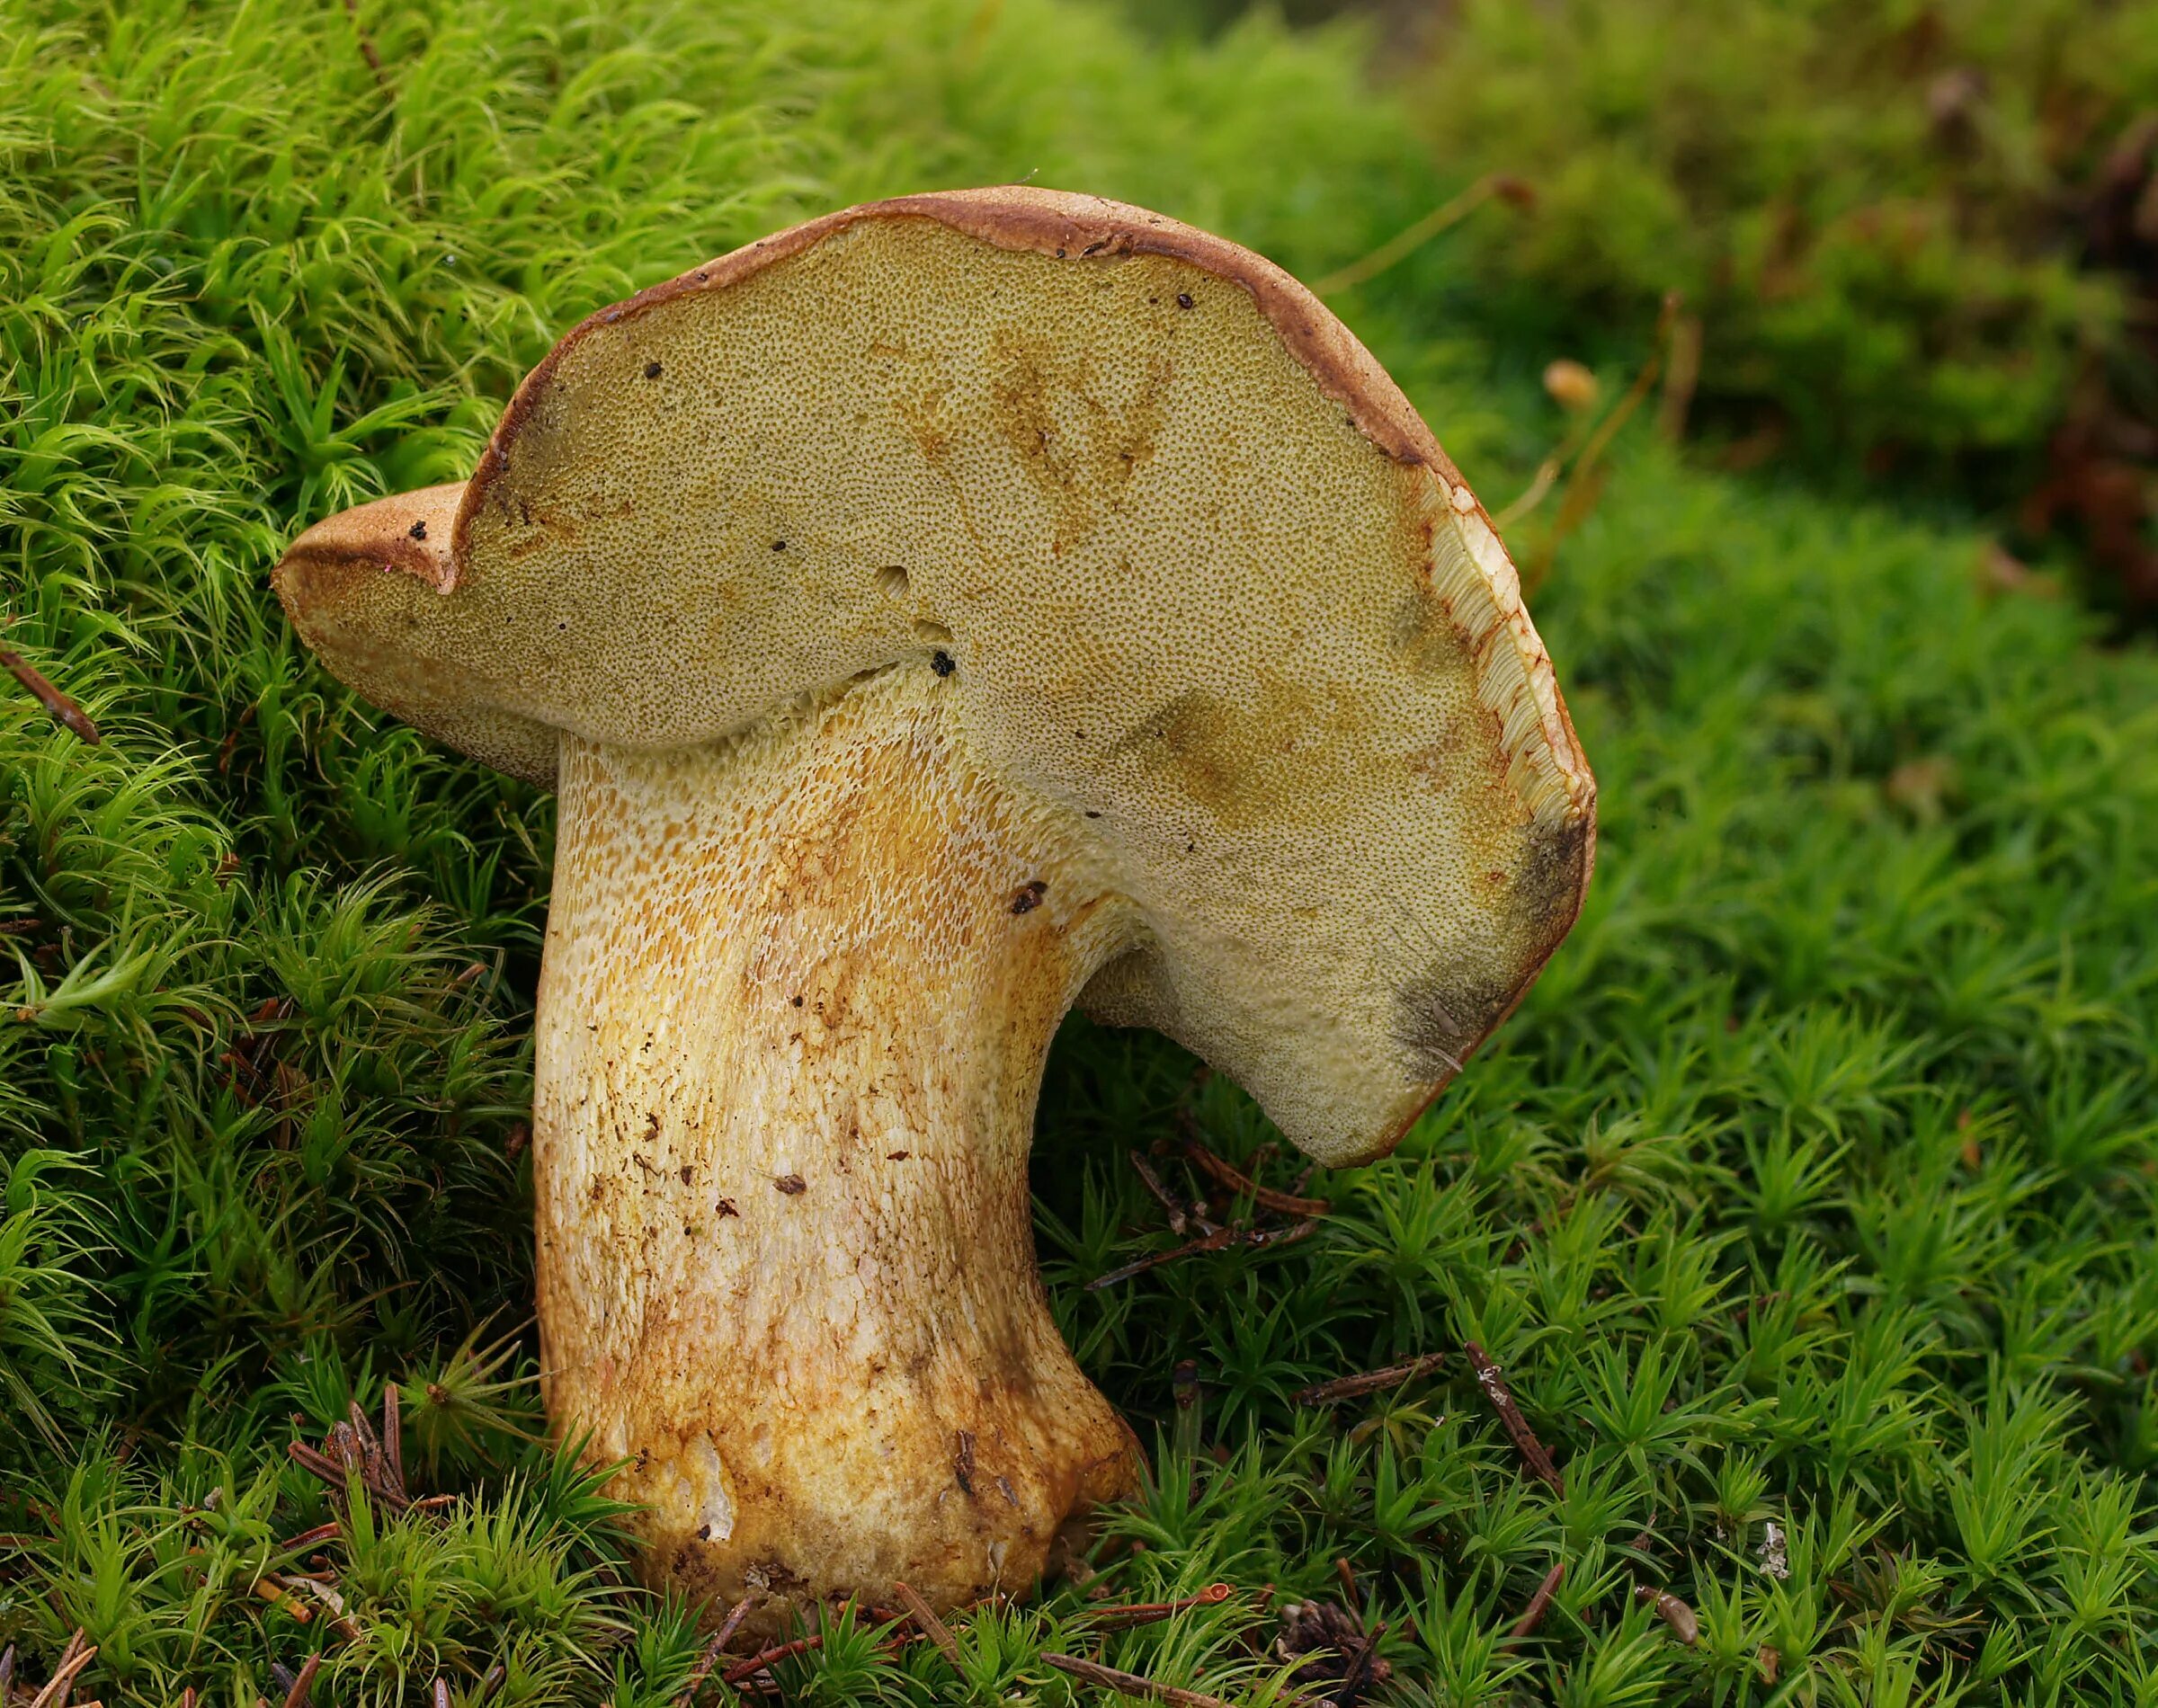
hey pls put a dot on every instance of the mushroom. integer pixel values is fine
(929, 618)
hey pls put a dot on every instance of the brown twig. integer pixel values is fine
(1532, 1615)
(714, 1649)
(393, 1431)
(1327, 1393)
(1178, 1222)
(63, 711)
(743, 1671)
(1220, 1240)
(1532, 1451)
(1130, 1684)
(927, 1623)
(1146, 1613)
(1237, 1180)
(303, 1686)
(1684, 1623)
(74, 1658)
(275, 1593)
(308, 1538)
(341, 1620)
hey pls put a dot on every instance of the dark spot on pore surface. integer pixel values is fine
(1284, 760)
(1548, 889)
(779, 544)
(941, 663)
(962, 1460)
(790, 1184)
(1183, 300)
(418, 530)
(651, 370)
(797, 1002)
(897, 1156)
(725, 1208)
(1029, 896)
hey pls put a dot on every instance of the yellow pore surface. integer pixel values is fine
(1276, 673)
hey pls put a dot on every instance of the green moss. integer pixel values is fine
(1812, 1188)
(1887, 216)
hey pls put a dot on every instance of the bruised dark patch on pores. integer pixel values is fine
(1445, 1011)
(1547, 893)
(1191, 737)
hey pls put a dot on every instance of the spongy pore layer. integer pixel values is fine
(1203, 582)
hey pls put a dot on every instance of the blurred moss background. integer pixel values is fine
(1916, 241)
(1811, 1200)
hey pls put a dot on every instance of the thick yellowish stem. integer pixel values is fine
(796, 998)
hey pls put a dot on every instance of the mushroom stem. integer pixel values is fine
(798, 993)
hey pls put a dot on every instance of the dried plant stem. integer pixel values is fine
(1145, 1613)
(1220, 1240)
(1532, 1615)
(64, 711)
(1131, 1684)
(1326, 1393)
(1179, 1222)
(1532, 1451)
(1684, 1623)
(303, 1686)
(744, 1670)
(1404, 244)
(1237, 1180)
(926, 1622)
(714, 1649)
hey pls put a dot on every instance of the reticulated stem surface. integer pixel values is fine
(797, 997)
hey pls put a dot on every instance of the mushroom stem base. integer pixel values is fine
(796, 998)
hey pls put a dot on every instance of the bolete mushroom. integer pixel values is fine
(936, 615)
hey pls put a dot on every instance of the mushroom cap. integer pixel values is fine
(1204, 581)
